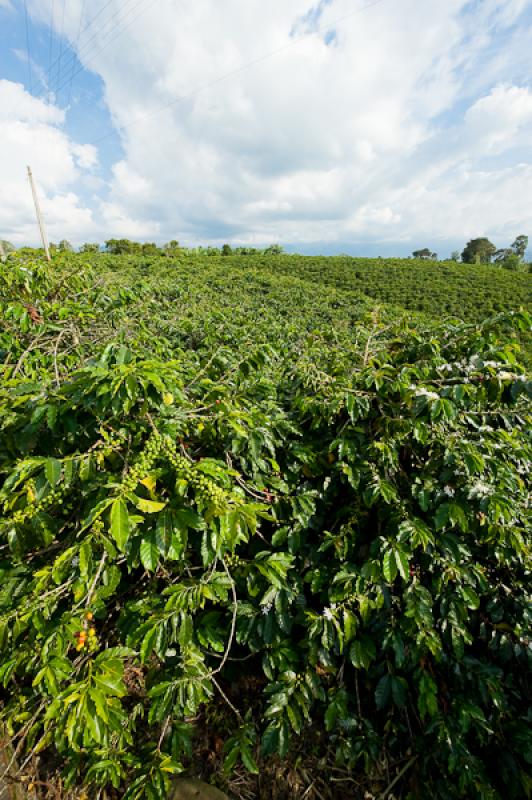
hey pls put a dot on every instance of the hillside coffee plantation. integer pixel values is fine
(265, 522)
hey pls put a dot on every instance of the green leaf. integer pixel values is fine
(148, 643)
(442, 516)
(52, 470)
(399, 687)
(401, 559)
(248, 761)
(120, 523)
(471, 597)
(163, 531)
(85, 558)
(350, 625)
(270, 739)
(149, 552)
(100, 702)
(362, 652)
(383, 692)
(389, 566)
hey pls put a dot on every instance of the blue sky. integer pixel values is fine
(365, 126)
(54, 72)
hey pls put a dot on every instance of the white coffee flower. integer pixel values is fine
(427, 394)
(480, 489)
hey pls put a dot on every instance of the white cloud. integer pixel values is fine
(320, 142)
(501, 119)
(31, 134)
(502, 13)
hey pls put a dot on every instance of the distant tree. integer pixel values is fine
(425, 253)
(171, 248)
(149, 249)
(226, 250)
(8, 247)
(118, 247)
(478, 251)
(90, 247)
(245, 251)
(64, 246)
(455, 255)
(512, 257)
(513, 262)
(502, 254)
(273, 250)
(520, 245)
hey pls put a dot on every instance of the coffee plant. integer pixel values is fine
(228, 485)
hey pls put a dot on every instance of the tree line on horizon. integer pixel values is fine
(476, 251)
(117, 247)
(482, 251)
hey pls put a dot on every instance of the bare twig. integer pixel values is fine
(96, 579)
(386, 794)
(359, 708)
(24, 734)
(26, 351)
(203, 369)
(56, 348)
(233, 622)
(163, 733)
(229, 703)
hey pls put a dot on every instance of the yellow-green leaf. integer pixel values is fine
(119, 523)
(149, 506)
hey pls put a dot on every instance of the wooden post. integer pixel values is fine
(42, 229)
(3, 255)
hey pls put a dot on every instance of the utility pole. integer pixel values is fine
(40, 220)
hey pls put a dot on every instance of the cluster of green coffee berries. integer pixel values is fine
(233, 561)
(204, 486)
(208, 490)
(163, 446)
(55, 497)
(151, 452)
(182, 465)
(112, 443)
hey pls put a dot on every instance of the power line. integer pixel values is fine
(89, 24)
(237, 70)
(50, 49)
(97, 52)
(28, 48)
(61, 41)
(74, 57)
(82, 11)
(69, 80)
